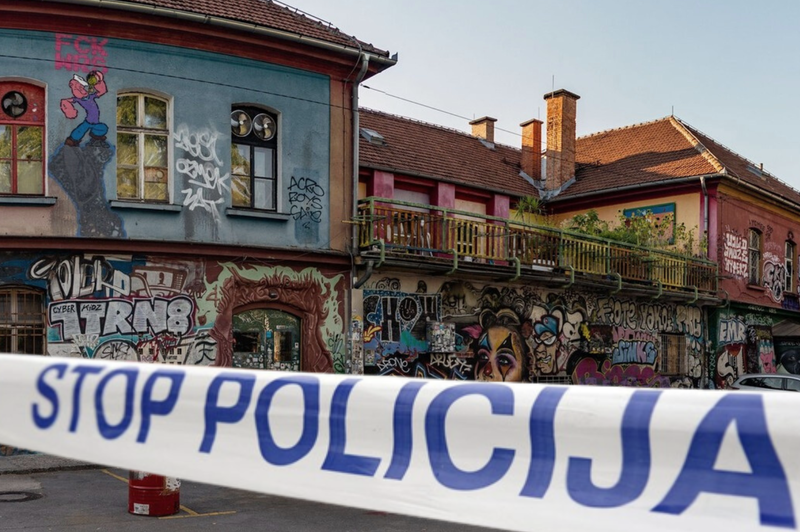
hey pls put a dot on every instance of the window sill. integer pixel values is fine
(253, 213)
(760, 288)
(138, 205)
(28, 201)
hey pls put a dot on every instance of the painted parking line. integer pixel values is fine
(190, 512)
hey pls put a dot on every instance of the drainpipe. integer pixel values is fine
(356, 134)
(355, 284)
(705, 213)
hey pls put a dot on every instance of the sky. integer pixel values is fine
(729, 68)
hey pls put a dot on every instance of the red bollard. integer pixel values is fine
(153, 495)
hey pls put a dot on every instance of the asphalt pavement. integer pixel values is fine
(45, 493)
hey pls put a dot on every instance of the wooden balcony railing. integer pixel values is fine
(441, 234)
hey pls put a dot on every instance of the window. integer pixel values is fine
(266, 339)
(142, 148)
(673, 354)
(254, 158)
(21, 321)
(791, 253)
(754, 257)
(21, 139)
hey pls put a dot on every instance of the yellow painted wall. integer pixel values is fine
(688, 211)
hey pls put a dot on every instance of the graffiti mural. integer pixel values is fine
(181, 311)
(77, 166)
(528, 333)
(774, 276)
(731, 351)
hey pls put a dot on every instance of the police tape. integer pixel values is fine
(516, 457)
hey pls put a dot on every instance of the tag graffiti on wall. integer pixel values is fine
(734, 255)
(306, 204)
(200, 168)
(80, 53)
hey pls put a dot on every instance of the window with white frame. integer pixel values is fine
(254, 158)
(143, 132)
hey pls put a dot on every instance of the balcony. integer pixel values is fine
(432, 238)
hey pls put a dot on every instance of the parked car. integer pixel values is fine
(767, 382)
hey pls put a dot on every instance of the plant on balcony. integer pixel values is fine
(531, 210)
(643, 230)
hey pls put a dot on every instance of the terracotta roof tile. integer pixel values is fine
(664, 150)
(267, 13)
(635, 155)
(744, 169)
(418, 148)
(655, 152)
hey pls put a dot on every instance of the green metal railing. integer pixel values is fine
(448, 234)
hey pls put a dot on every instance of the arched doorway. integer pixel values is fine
(267, 338)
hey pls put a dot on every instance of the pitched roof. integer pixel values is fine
(421, 149)
(664, 150)
(268, 13)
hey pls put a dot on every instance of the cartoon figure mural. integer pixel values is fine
(85, 93)
(80, 168)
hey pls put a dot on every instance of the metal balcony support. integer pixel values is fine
(660, 290)
(696, 296)
(727, 298)
(518, 264)
(455, 261)
(619, 282)
(382, 245)
(571, 277)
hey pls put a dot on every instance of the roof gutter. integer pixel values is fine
(639, 186)
(257, 29)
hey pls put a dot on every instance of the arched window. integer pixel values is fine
(21, 138)
(143, 132)
(266, 339)
(754, 246)
(22, 321)
(254, 158)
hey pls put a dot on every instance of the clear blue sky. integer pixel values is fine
(730, 68)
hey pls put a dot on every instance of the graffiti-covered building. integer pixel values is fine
(744, 217)
(456, 280)
(173, 177)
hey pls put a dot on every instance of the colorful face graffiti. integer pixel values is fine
(501, 352)
(545, 353)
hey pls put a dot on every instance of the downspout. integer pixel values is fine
(356, 136)
(705, 213)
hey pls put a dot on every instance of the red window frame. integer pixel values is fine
(32, 117)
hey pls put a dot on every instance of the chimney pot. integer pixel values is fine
(483, 128)
(531, 161)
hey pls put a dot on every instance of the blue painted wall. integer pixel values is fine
(201, 87)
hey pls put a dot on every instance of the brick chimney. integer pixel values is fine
(531, 161)
(483, 128)
(561, 130)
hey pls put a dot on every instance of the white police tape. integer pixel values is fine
(516, 457)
